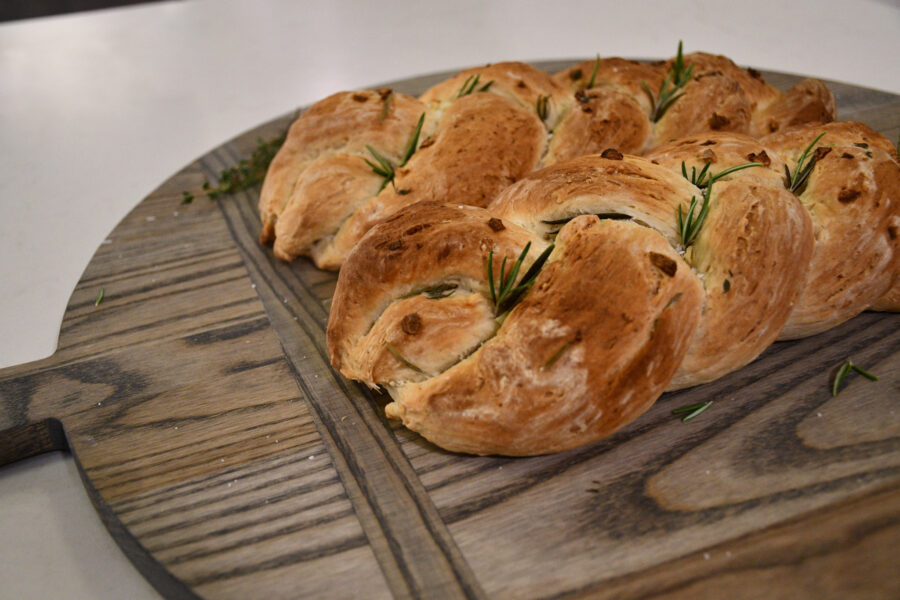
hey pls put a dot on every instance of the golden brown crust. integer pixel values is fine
(602, 118)
(344, 122)
(810, 101)
(619, 74)
(851, 194)
(579, 358)
(483, 143)
(419, 247)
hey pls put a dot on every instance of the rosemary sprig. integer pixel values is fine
(542, 107)
(795, 180)
(99, 296)
(689, 226)
(400, 357)
(247, 174)
(383, 167)
(670, 90)
(844, 370)
(693, 410)
(505, 294)
(386, 104)
(471, 83)
(593, 78)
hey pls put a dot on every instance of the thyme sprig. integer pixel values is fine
(844, 370)
(692, 411)
(505, 293)
(471, 83)
(247, 174)
(671, 88)
(383, 167)
(689, 226)
(403, 360)
(795, 181)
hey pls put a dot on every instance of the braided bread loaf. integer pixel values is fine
(620, 311)
(484, 129)
(428, 202)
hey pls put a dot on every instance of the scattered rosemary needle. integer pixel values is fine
(593, 78)
(403, 360)
(794, 181)
(693, 410)
(555, 357)
(99, 296)
(505, 293)
(670, 90)
(844, 370)
(247, 174)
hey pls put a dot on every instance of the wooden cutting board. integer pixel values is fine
(229, 461)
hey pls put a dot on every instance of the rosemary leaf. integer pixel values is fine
(555, 356)
(844, 370)
(413, 141)
(593, 78)
(386, 105)
(802, 171)
(693, 410)
(99, 299)
(248, 173)
(400, 357)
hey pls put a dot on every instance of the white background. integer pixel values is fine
(97, 109)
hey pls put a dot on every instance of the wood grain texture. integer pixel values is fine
(229, 461)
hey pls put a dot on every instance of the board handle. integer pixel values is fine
(28, 425)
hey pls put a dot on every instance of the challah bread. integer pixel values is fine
(853, 197)
(754, 246)
(579, 357)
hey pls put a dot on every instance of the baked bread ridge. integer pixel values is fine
(719, 97)
(853, 197)
(342, 123)
(491, 136)
(319, 197)
(757, 236)
(429, 246)
(580, 357)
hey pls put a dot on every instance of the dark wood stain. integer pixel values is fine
(229, 461)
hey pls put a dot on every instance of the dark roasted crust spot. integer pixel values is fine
(754, 73)
(847, 155)
(429, 141)
(586, 109)
(496, 224)
(359, 97)
(822, 152)
(892, 232)
(384, 92)
(664, 263)
(582, 97)
(845, 196)
(521, 85)
(416, 228)
(612, 154)
(411, 324)
(575, 75)
(396, 245)
(717, 121)
(709, 143)
(444, 253)
(760, 157)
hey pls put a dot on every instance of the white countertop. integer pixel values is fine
(98, 108)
